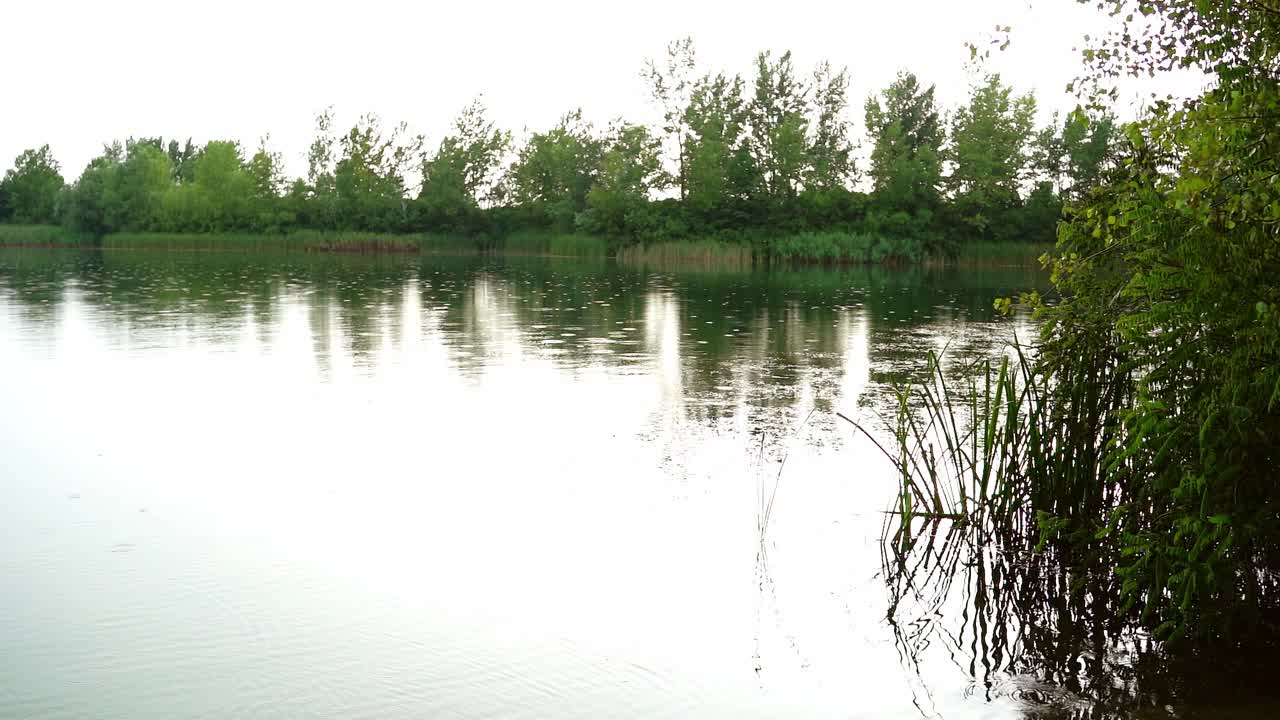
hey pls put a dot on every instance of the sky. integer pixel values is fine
(79, 74)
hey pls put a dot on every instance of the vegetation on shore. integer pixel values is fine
(46, 236)
(810, 248)
(766, 163)
(1137, 445)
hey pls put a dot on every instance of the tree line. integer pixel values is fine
(730, 159)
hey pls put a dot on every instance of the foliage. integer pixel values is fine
(845, 247)
(779, 125)
(670, 87)
(768, 157)
(1073, 156)
(556, 169)
(989, 154)
(906, 159)
(459, 176)
(29, 190)
(1171, 271)
(1140, 447)
(43, 236)
(830, 161)
(630, 170)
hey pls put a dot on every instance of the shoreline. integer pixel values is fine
(712, 253)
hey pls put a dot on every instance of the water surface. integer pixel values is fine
(266, 486)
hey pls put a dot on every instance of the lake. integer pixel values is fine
(281, 486)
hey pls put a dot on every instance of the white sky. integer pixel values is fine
(78, 74)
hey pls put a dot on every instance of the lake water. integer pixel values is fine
(341, 487)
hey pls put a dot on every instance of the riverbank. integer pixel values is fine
(828, 248)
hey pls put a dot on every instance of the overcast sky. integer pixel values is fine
(78, 74)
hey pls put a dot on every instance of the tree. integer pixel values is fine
(556, 169)
(906, 162)
(220, 195)
(630, 169)
(830, 151)
(316, 201)
(265, 172)
(779, 125)
(906, 135)
(30, 188)
(988, 154)
(718, 164)
(369, 177)
(135, 188)
(1167, 338)
(86, 205)
(461, 173)
(1072, 154)
(183, 159)
(671, 87)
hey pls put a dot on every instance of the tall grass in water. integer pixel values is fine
(362, 242)
(997, 254)
(196, 241)
(971, 454)
(844, 247)
(1007, 446)
(990, 466)
(551, 243)
(301, 240)
(696, 253)
(44, 236)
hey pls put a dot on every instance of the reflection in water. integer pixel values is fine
(1022, 626)
(505, 486)
(718, 342)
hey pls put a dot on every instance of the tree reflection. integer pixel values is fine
(753, 347)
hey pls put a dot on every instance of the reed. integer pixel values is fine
(42, 236)
(555, 244)
(973, 453)
(686, 253)
(298, 241)
(844, 247)
(996, 254)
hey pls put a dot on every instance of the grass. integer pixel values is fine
(556, 244)
(816, 247)
(1008, 254)
(44, 236)
(302, 240)
(844, 247)
(971, 454)
(707, 253)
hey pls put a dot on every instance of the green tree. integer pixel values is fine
(1168, 335)
(779, 126)
(316, 200)
(718, 164)
(1072, 154)
(135, 188)
(265, 172)
(30, 188)
(830, 152)
(671, 86)
(461, 172)
(220, 191)
(905, 129)
(989, 153)
(906, 135)
(630, 169)
(369, 177)
(556, 169)
(85, 208)
(183, 158)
